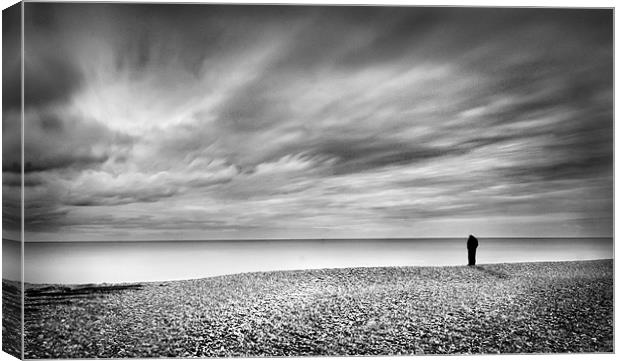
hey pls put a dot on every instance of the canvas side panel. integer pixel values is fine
(11, 181)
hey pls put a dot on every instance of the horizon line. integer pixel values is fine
(307, 239)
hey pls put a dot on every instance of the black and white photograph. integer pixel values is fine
(259, 180)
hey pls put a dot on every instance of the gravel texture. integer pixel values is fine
(11, 318)
(552, 307)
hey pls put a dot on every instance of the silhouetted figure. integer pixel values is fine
(472, 244)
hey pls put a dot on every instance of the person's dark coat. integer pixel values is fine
(472, 244)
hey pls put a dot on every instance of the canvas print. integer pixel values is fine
(12, 286)
(203, 180)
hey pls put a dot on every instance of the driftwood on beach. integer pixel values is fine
(502, 308)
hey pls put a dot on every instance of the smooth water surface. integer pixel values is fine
(11, 260)
(72, 263)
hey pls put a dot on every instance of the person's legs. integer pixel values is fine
(471, 255)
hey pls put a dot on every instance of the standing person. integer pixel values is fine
(472, 244)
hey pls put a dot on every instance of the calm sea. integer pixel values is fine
(175, 260)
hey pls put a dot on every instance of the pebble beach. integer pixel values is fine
(547, 307)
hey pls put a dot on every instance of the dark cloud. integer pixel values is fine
(53, 143)
(11, 209)
(14, 179)
(62, 161)
(50, 74)
(43, 209)
(549, 66)
(11, 58)
(404, 33)
(301, 116)
(119, 197)
(48, 78)
(155, 223)
(11, 127)
(363, 154)
(11, 142)
(44, 219)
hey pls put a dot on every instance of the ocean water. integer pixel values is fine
(75, 263)
(11, 260)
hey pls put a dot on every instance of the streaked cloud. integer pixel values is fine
(210, 122)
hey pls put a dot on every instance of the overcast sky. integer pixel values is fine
(217, 122)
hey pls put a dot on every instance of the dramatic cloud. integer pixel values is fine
(211, 122)
(11, 122)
